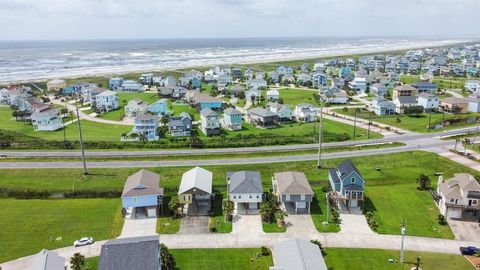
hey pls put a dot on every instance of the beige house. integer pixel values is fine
(55, 85)
(454, 105)
(459, 197)
(405, 90)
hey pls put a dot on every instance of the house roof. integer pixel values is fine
(333, 175)
(47, 260)
(107, 93)
(231, 111)
(142, 183)
(426, 95)
(293, 183)
(346, 168)
(454, 100)
(146, 117)
(405, 87)
(460, 184)
(297, 254)
(130, 253)
(207, 112)
(196, 178)
(245, 182)
(182, 120)
(47, 112)
(407, 99)
(421, 84)
(261, 112)
(200, 98)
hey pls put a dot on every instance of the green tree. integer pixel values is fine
(168, 262)
(423, 181)
(228, 208)
(173, 206)
(77, 262)
(280, 217)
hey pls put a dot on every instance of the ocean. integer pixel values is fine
(39, 60)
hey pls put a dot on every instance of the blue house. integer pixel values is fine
(115, 83)
(347, 183)
(344, 71)
(203, 101)
(159, 107)
(142, 195)
(425, 87)
(196, 83)
(232, 119)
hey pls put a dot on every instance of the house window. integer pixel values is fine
(239, 196)
(474, 202)
(134, 200)
(288, 197)
(452, 200)
(353, 180)
(234, 196)
(302, 197)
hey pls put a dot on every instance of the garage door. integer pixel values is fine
(455, 213)
(301, 204)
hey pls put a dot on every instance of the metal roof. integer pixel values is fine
(196, 178)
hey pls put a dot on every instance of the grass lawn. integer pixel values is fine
(414, 123)
(391, 190)
(366, 259)
(273, 227)
(295, 96)
(27, 225)
(218, 219)
(92, 263)
(178, 109)
(117, 115)
(168, 225)
(318, 211)
(221, 258)
(92, 131)
(441, 82)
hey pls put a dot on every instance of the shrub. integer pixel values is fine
(442, 220)
(372, 222)
(264, 251)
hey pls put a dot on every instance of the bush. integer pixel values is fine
(212, 227)
(442, 220)
(326, 188)
(264, 251)
(372, 222)
(336, 216)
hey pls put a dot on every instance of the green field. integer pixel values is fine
(414, 123)
(27, 225)
(390, 190)
(367, 259)
(318, 211)
(441, 82)
(294, 96)
(232, 259)
(273, 227)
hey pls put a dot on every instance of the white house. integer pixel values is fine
(472, 85)
(273, 95)
(429, 102)
(106, 101)
(131, 86)
(381, 106)
(252, 94)
(209, 122)
(358, 84)
(473, 103)
(245, 190)
(459, 197)
(257, 83)
(135, 107)
(46, 120)
(305, 113)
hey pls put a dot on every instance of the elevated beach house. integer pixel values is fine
(245, 190)
(293, 191)
(135, 107)
(46, 119)
(115, 83)
(106, 101)
(142, 195)
(195, 192)
(180, 126)
(209, 122)
(232, 119)
(305, 113)
(131, 86)
(459, 197)
(347, 184)
(131, 253)
(283, 112)
(382, 106)
(159, 107)
(261, 117)
(146, 125)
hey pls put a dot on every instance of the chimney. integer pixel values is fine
(440, 180)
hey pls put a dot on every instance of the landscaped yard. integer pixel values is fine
(27, 226)
(273, 227)
(231, 259)
(318, 211)
(168, 225)
(367, 259)
(414, 123)
(218, 220)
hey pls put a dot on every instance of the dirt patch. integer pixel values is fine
(474, 260)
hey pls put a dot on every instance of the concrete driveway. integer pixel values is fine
(354, 224)
(300, 224)
(139, 227)
(194, 225)
(247, 224)
(465, 231)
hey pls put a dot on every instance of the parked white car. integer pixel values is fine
(83, 242)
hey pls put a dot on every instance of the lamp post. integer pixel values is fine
(404, 232)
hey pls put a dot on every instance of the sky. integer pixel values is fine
(132, 19)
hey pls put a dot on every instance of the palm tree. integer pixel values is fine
(77, 262)
(280, 217)
(173, 206)
(423, 181)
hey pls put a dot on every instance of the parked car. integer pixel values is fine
(470, 250)
(83, 242)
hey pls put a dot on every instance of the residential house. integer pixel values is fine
(283, 112)
(378, 89)
(146, 125)
(381, 106)
(288, 78)
(261, 117)
(334, 95)
(175, 92)
(223, 80)
(305, 113)
(273, 95)
(293, 191)
(46, 120)
(297, 254)
(304, 79)
(106, 101)
(425, 87)
(347, 184)
(236, 89)
(253, 94)
(404, 91)
(472, 86)
(319, 79)
(473, 103)
(358, 84)
(344, 71)
(454, 105)
(283, 70)
(459, 197)
(56, 85)
(147, 78)
(184, 81)
(209, 122)
(338, 83)
(180, 126)
(274, 76)
(115, 83)
(141, 252)
(257, 83)
(131, 86)
(195, 191)
(232, 119)
(196, 83)
(429, 102)
(47, 260)
(89, 93)
(237, 73)
(245, 190)
(142, 195)
(169, 81)
(403, 102)
(203, 101)
(159, 107)
(135, 107)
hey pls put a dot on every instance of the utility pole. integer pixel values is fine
(64, 133)
(404, 232)
(81, 138)
(320, 136)
(429, 120)
(369, 123)
(355, 125)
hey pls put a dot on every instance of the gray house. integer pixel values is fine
(261, 117)
(180, 126)
(47, 260)
(245, 190)
(297, 254)
(293, 191)
(131, 253)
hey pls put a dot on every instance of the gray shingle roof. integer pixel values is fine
(293, 183)
(347, 167)
(298, 254)
(245, 182)
(231, 111)
(261, 112)
(130, 253)
(208, 112)
(142, 183)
